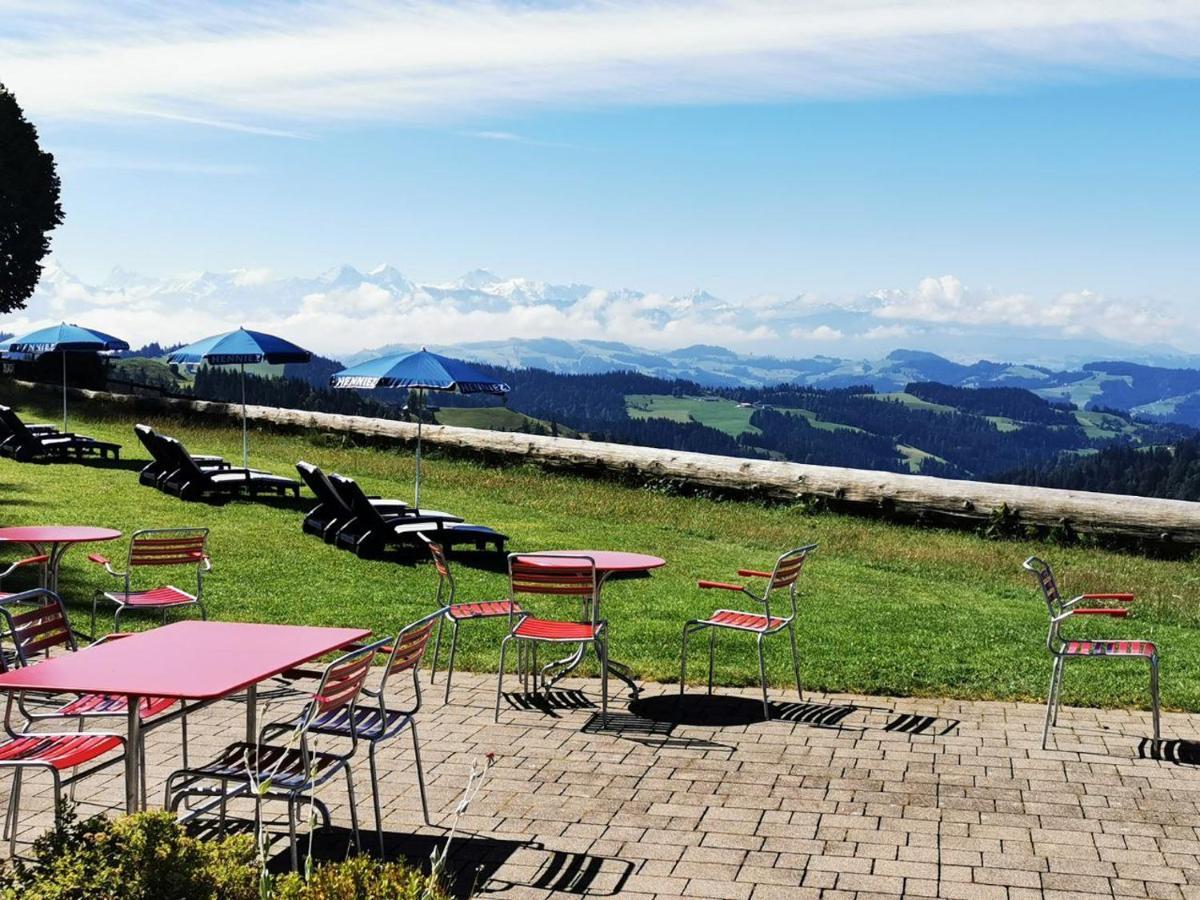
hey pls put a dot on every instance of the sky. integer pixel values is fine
(1027, 154)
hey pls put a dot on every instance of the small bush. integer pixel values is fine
(360, 878)
(148, 856)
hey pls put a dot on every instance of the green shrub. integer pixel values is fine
(146, 856)
(360, 878)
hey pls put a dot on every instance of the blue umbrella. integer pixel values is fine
(62, 339)
(421, 371)
(237, 348)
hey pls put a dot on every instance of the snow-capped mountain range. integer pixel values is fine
(348, 314)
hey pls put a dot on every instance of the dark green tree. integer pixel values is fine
(29, 204)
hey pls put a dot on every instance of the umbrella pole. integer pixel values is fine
(64, 391)
(417, 494)
(245, 440)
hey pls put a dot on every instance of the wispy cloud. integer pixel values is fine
(279, 65)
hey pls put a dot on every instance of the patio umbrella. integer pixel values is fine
(237, 348)
(420, 371)
(64, 339)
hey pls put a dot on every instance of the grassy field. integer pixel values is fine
(719, 413)
(885, 609)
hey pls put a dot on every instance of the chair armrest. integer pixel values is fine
(104, 561)
(1119, 598)
(1118, 613)
(751, 573)
(38, 560)
(720, 584)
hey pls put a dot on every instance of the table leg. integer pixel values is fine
(56, 555)
(252, 714)
(133, 754)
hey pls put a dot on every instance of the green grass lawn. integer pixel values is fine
(885, 608)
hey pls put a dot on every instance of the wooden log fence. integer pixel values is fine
(937, 500)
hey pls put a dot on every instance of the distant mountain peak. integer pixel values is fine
(341, 276)
(477, 279)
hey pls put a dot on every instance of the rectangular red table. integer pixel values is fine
(192, 660)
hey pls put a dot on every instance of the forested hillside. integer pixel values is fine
(1170, 472)
(928, 428)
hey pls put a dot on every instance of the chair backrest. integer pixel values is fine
(785, 575)
(17, 428)
(168, 547)
(180, 461)
(152, 441)
(552, 574)
(1047, 582)
(405, 653)
(360, 505)
(33, 622)
(337, 694)
(446, 588)
(318, 482)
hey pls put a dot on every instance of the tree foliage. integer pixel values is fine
(29, 204)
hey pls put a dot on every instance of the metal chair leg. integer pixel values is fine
(712, 647)
(353, 810)
(683, 662)
(762, 675)
(795, 659)
(1154, 700)
(1050, 700)
(291, 805)
(420, 773)
(603, 645)
(500, 676)
(375, 797)
(437, 649)
(1058, 692)
(453, 653)
(15, 808)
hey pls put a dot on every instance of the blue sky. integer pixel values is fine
(744, 148)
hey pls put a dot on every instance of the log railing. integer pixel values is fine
(904, 496)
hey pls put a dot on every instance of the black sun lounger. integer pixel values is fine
(23, 443)
(190, 481)
(371, 532)
(161, 458)
(332, 511)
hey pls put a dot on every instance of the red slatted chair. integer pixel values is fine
(179, 548)
(1063, 648)
(34, 624)
(780, 580)
(375, 722)
(559, 576)
(290, 771)
(455, 613)
(38, 630)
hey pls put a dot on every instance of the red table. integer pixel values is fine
(608, 563)
(54, 541)
(191, 660)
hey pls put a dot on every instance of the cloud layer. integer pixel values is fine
(278, 67)
(345, 311)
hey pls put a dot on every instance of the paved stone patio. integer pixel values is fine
(841, 796)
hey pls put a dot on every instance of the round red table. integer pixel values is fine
(608, 563)
(54, 541)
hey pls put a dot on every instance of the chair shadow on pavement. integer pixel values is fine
(474, 861)
(725, 711)
(1179, 752)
